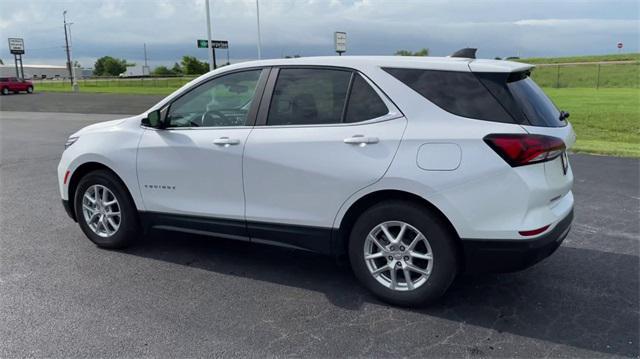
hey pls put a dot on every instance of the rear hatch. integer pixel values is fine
(534, 111)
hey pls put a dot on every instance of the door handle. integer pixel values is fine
(226, 141)
(361, 140)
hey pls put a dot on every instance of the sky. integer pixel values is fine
(170, 28)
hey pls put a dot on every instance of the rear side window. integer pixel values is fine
(309, 97)
(522, 98)
(459, 93)
(364, 102)
(537, 107)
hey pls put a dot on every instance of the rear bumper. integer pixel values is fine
(513, 255)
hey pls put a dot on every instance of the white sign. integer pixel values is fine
(340, 39)
(16, 46)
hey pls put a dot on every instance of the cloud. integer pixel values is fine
(170, 27)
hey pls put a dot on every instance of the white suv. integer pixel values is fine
(416, 168)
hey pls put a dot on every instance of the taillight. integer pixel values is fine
(525, 149)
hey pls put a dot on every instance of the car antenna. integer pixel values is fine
(467, 52)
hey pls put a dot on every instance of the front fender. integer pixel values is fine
(114, 149)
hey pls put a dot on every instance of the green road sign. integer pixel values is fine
(216, 44)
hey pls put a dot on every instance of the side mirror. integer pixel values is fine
(153, 119)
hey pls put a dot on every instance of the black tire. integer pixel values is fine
(5, 91)
(129, 226)
(442, 242)
(30, 89)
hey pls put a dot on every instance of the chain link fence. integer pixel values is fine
(97, 82)
(623, 74)
(597, 75)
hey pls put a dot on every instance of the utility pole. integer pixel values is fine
(74, 78)
(259, 37)
(66, 47)
(146, 66)
(211, 65)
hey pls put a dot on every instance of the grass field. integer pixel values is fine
(592, 58)
(607, 121)
(610, 75)
(109, 89)
(151, 86)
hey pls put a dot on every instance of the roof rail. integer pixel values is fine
(467, 52)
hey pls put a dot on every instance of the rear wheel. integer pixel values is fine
(5, 91)
(105, 211)
(403, 253)
(30, 89)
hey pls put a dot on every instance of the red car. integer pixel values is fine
(12, 84)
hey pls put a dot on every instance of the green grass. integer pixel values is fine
(610, 75)
(607, 121)
(109, 89)
(149, 86)
(593, 58)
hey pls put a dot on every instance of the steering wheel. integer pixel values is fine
(214, 118)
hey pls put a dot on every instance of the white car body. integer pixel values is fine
(306, 176)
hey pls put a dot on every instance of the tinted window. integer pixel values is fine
(535, 104)
(460, 93)
(224, 101)
(364, 102)
(524, 100)
(308, 96)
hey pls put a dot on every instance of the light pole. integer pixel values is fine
(259, 37)
(211, 67)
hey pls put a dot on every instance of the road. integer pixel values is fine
(175, 295)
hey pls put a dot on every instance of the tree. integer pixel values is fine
(162, 71)
(109, 66)
(497, 58)
(1, 63)
(423, 52)
(193, 66)
(176, 69)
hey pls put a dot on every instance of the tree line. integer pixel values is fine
(189, 65)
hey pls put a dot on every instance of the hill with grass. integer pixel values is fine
(588, 58)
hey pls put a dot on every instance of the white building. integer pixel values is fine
(39, 71)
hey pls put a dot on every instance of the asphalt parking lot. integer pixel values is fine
(175, 295)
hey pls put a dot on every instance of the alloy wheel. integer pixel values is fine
(101, 210)
(398, 256)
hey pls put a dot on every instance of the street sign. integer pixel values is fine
(215, 44)
(340, 40)
(620, 45)
(16, 46)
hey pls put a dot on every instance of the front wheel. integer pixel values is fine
(5, 91)
(403, 253)
(30, 89)
(105, 211)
